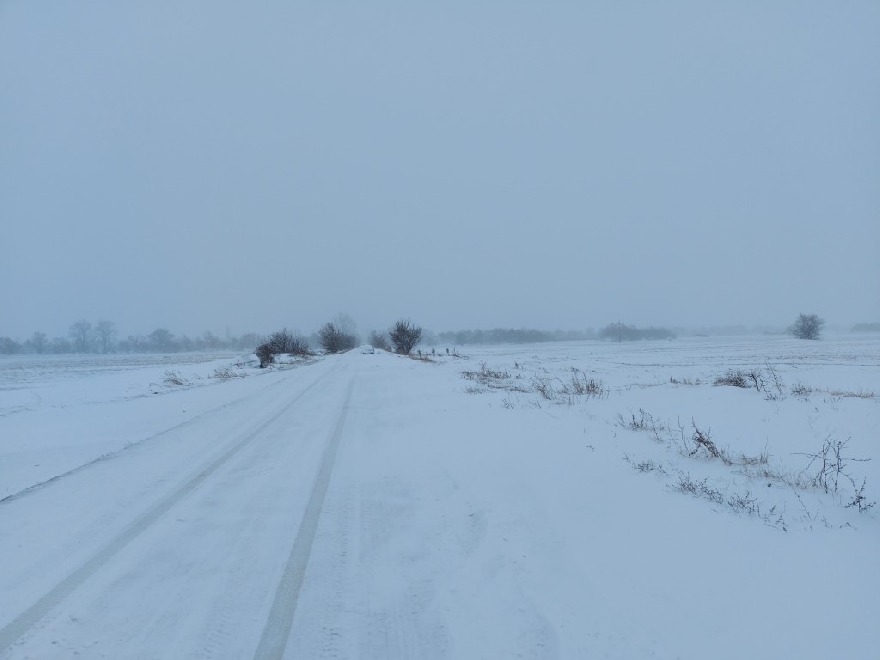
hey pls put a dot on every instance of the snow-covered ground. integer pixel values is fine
(572, 500)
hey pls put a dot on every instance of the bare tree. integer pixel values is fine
(81, 335)
(9, 346)
(380, 340)
(807, 326)
(331, 338)
(405, 336)
(338, 335)
(212, 341)
(346, 325)
(106, 333)
(39, 342)
(162, 339)
(61, 345)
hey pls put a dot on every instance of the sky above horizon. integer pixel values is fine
(213, 165)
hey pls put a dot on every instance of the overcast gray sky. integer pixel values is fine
(198, 165)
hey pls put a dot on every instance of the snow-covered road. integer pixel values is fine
(175, 547)
(368, 506)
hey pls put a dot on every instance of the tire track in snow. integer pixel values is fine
(113, 454)
(274, 639)
(19, 626)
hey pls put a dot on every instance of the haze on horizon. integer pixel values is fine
(206, 165)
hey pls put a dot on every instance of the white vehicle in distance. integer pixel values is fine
(366, 348)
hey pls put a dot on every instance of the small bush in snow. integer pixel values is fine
(491, 379)
(827, 469)
(755, 378)
(174, 378)
(583, 386)
(227, 373)
(265, 355)
(733, 378)
(578, 385)
(703, 445)
(405, 336)
(777, 391)
(801, 390)
(744, 503)
(645, 465)
(859, 500)
(860, 394)
(644, 422)
(696, 488)
(285, 342)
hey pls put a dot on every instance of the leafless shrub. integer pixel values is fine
(800, 390)
(761, 459)
(544, 387)
(554, 389)
(686, 484)
(684, 381)
(405, 336)
(698, 444)
(485, 374)
(264, 354)
(644, 422)
(859, 500)
(827, 468)
(705, 446)
(733, 378)
(773, 390)
(225, 373)
(645, 466)
(744, 503)
(174, 378)
(860, 394)
(490, 379)
(735, 502)
(581, 385)
(776, 390)
(755, 378)
(285, 342)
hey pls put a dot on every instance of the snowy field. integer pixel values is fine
(572, 500)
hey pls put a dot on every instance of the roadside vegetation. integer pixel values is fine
(735, 483)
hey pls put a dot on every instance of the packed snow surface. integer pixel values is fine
(572, 500)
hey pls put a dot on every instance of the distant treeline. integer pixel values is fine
(83, 337)
(623, 332)
(866, 327)
(613, 331)
(505, 336)
(171, 343)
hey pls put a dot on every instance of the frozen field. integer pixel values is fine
(572, 500)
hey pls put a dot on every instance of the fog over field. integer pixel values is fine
(213, 165)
